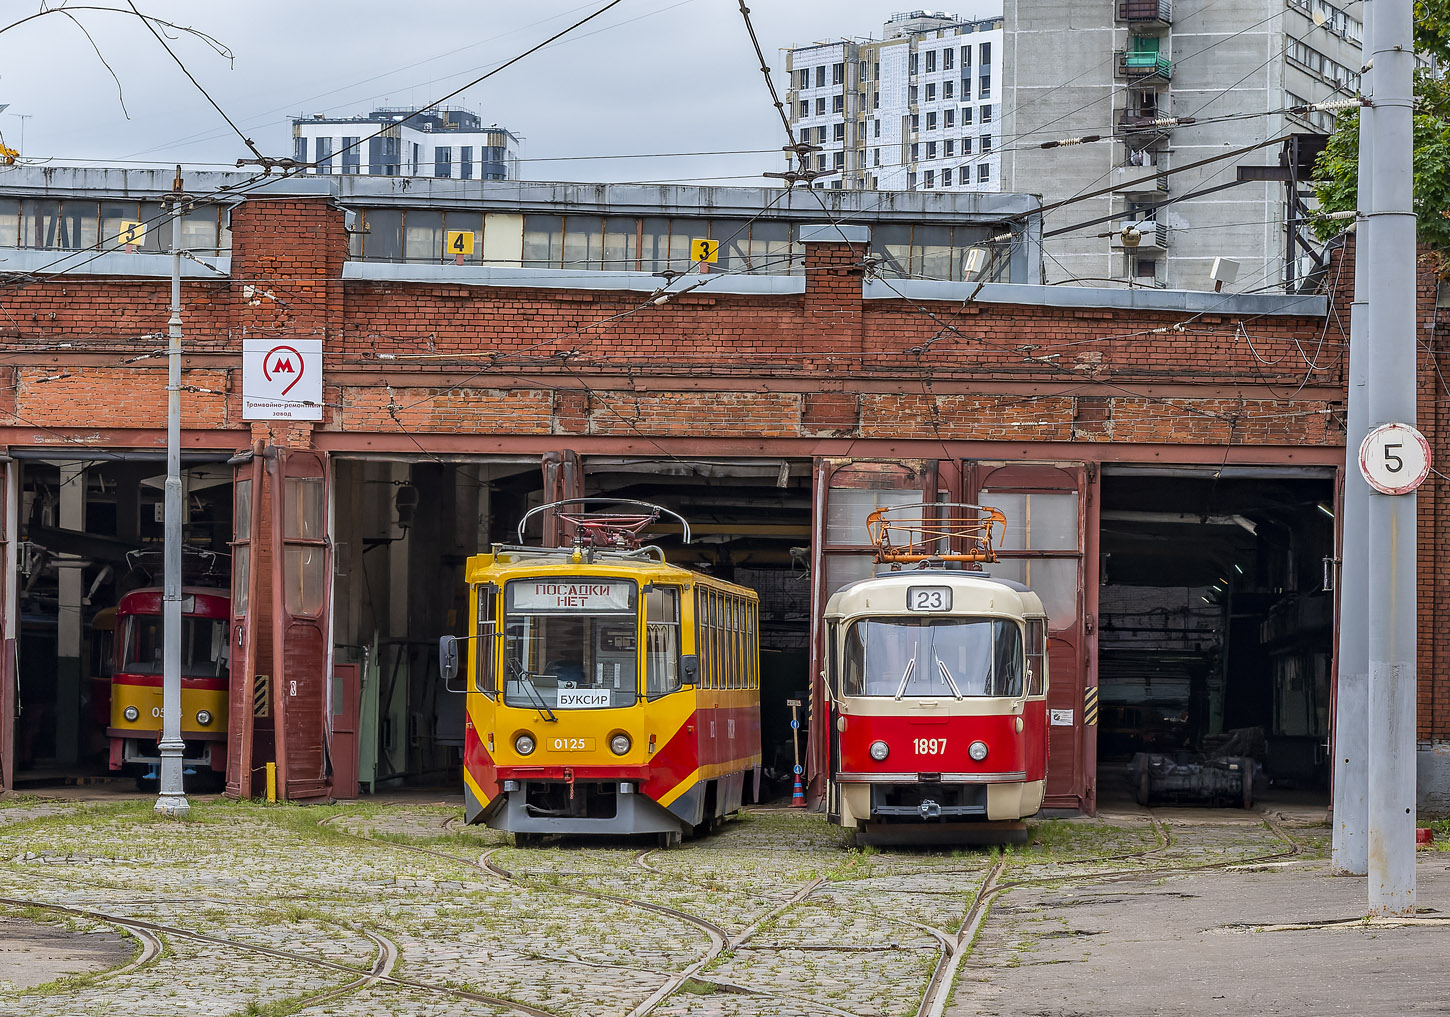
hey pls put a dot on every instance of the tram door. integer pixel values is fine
(846, 491)
(249, 739)
(1049, 541)
(7, 631)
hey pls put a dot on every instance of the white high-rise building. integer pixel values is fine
(916, 110)
(435, 142)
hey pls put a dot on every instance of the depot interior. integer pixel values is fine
(1213, 617)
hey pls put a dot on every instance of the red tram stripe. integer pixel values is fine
(154, 681)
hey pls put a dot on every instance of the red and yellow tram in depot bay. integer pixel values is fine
(608, 691)
(136, 676)
(936, 681)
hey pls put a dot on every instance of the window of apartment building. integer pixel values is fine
(928, 179)
(351, 155)
(911, 63)
(840, 132)
(876, 157)
(930, 64)
(948, 56)
(803, 78)
(966, 59)
(840, 160)
(443, 162)
(324, 155)
(836, 185)
(966, 149)
(948, 147)
(911, 181)
(931, 120)
(821, 76)
(821, 161)
(417, 157)
(821, 106)
(876, 71)
(915, 150)
(931, 149)
(986, 143)
(805, 108)
(875, 100)
(986, 59)
(931, 92)
(947, 88)
(966, 116)
(986, 117)
(916, 122)
(299, 149)
(984, 86)
(838, 103)
(465, 163)
(838, 74)
(911, 94)
(946, 174)
(876, 128)
(821, 134)
(949, 119)
(984, 173)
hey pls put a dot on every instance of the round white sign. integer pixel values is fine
(1394, 458)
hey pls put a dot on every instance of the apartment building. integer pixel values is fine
(916, 110)
(1171, 89)
(435, 142)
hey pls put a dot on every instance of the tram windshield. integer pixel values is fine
(951, 657)
(570, 643)
(204, 645)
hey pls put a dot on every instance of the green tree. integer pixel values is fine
(1337, 171)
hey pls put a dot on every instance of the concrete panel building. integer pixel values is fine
(436, 142)
(1172, 89)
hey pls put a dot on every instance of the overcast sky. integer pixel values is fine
(650, 76)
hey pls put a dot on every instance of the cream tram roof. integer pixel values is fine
(972, 592)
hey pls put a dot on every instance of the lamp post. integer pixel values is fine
(172, 801)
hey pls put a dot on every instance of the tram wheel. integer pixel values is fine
(526, 840)
(1144, 790)
(668, 840)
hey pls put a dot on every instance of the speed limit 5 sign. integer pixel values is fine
(1394, 458)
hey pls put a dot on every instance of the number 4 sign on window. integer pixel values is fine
(1394, 458)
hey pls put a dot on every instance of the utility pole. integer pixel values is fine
(1391, 529)
(172, 801)
(1350, 841)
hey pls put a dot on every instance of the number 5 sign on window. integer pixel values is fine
(1394, 458)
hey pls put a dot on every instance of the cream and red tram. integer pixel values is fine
(608, 691)
(936, 677)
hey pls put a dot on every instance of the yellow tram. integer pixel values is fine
(608, 691)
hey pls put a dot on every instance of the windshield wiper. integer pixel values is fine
(526, 679)
(948, 676)
(906, 677)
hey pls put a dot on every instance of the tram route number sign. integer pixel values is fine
(928, 598)
(131, 234)
(1394, 458)
(704, 250)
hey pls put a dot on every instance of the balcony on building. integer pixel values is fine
(1146, 13)
(1136, 121)
(1148, 176)
(1151, 237)
(1144, 63)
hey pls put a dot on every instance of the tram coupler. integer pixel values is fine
(929, 809)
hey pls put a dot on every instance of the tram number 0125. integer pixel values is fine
(931, 746)
(928, 598)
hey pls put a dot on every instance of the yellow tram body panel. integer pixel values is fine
(659, 758)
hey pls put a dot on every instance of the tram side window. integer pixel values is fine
(485, 647)
(1036, 656)
(662, 642)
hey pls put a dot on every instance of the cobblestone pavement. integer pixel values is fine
(401, 910)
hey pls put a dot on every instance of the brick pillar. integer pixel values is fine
(835, 266)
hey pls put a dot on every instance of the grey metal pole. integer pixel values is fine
(172, 801)
(1349, 854)
(1391, 518)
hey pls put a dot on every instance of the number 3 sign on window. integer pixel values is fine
(1394, 458)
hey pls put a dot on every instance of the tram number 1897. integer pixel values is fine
(931, 746)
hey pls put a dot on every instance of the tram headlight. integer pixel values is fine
(203, 717)
(619, 744)
(879, 751)
(131, 713)
(524, 744)
(978, 751)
